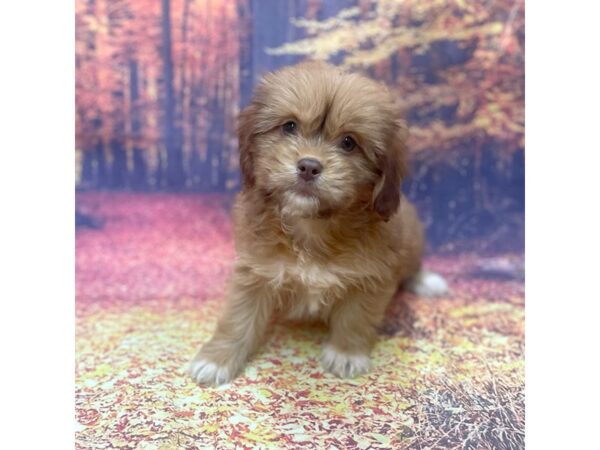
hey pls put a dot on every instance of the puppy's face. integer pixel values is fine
(320, 141)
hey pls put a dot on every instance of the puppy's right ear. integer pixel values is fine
(246, 132)
(394, 168)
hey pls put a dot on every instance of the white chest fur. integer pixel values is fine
(310, 277)
(306, 287)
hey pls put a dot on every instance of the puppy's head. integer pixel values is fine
(320, 141)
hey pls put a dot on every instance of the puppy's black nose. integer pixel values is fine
(309, 169)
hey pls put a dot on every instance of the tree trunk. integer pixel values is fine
(119, 173)
(101, 170)
(271, 29)
(184, 38)
(213, 171)
(119, 163)
(88, 179)
(245, 13)
(159, 175)
(138, 179)
(194, 161)
(175, 174)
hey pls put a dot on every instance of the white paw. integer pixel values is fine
(428, 284)
(203, 371)
(345, 365)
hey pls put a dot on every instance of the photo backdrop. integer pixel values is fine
(159, 85)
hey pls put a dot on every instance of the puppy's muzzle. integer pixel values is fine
(309, 169)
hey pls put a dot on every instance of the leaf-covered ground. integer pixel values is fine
(447, 373)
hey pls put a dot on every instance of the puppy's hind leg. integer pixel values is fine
(427, 284)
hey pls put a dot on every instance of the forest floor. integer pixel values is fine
(447, 373)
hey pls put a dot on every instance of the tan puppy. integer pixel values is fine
(320, 230)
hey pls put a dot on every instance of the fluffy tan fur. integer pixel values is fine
(335, 249)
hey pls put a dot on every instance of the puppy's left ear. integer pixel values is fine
(394, 167)
(246, 131)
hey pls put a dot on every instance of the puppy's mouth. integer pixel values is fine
(305, 190)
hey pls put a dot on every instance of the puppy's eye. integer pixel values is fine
(348, 144)
(289, 127)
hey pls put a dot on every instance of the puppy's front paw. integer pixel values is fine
(204, 371)
(345, 365)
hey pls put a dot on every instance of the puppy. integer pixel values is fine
(320, 229)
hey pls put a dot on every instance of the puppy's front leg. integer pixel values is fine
(353, 331)
(239, 331)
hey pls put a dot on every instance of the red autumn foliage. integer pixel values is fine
(162, 247)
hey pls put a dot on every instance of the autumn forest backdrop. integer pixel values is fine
(159, 84)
